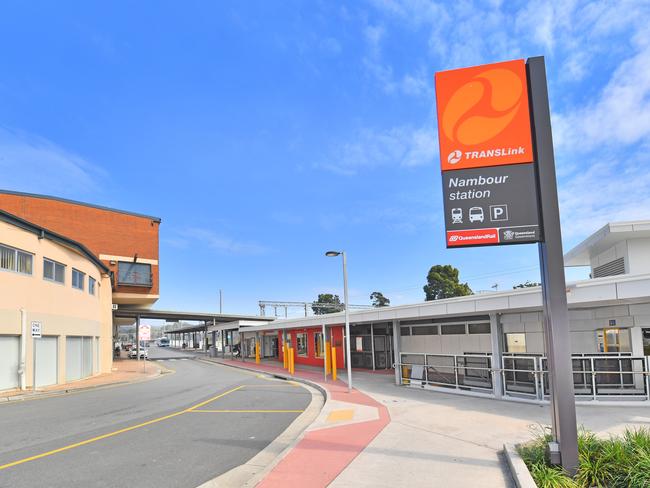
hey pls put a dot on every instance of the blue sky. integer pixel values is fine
(264, 133)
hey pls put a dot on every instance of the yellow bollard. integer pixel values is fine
(284, 356)
(292, 366)
(333, 364)
(328, 358)
(257, 352)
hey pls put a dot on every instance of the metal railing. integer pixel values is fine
(595, 377)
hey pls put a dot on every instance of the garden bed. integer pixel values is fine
(616, 462)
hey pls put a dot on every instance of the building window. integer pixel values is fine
(425, 330)
(319, 345)
(452, 329)
(483, 328)
(14, 260)
(53, 271)
(91, 285)
(78, 279)
(516, 342)
(133, 274)
(301, 344)
(405, 331)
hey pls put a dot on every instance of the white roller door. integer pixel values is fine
(87, 355)
(9, 359)
(47, 360)
(73, 347)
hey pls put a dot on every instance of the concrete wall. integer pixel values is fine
(583, 326)
(61, 309)
(638, 256)
(620, 250)
(447, 344)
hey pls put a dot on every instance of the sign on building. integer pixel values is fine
(145, 332)
(486, 156)
(36, 329)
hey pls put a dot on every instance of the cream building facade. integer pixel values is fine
(49, 280)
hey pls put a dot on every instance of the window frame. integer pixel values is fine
(54, 265)
(17, 252)
(83, 280)
(445, 327)
(92, 285)
(477, 324)
(319, 353)
(306, 342)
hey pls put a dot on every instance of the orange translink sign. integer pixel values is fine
(483, 116)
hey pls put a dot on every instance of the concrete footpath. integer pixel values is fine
(383, 435)
(124, 371)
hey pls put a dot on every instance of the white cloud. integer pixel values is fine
(34, 164)
(398, 146)
(620, 114)
(604, 190)
(223, 244)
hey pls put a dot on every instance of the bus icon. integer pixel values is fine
(476, 214)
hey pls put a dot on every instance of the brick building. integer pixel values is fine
(126, 242)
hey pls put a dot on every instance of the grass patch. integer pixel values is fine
(616, 462)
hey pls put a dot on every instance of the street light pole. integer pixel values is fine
(347, 316)
(347, 322)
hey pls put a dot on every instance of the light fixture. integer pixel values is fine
(332, 254)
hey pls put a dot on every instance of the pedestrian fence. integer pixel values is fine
(602, 377)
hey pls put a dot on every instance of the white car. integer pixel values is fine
(144, 353)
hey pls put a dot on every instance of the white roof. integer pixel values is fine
(604, 238)
(610, 290)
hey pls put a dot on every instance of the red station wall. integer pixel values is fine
(311, 359)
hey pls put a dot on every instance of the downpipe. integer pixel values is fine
(23, 349)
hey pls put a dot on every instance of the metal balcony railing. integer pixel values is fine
(595, 377)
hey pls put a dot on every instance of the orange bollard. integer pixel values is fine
(333, 364)
(257, 352)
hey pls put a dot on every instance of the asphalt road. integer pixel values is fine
(189, 436)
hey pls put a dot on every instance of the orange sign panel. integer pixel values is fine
(483, 116)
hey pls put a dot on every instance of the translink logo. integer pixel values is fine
(490, 153)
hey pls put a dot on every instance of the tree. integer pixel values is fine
(379, 300)
(442, 282)
(528, 284)
(332, 304)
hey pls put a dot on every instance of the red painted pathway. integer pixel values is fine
(322, 454)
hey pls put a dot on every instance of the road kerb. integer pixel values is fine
(518, 468)
(69, 391)
(255, 469)
(252, 472)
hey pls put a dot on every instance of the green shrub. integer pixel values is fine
(617, 462)
(548, 477)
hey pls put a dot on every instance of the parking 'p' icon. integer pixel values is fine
(498, 213)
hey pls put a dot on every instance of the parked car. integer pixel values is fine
(127, 346)
(144, 353)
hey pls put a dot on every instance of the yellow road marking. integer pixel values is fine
(340, 415)
(210, 400)
(116, 432)
(247, 411)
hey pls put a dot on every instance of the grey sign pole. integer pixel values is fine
(556, 315)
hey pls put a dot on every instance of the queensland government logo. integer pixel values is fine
(508, 235)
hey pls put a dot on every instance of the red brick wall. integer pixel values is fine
(101, 231)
